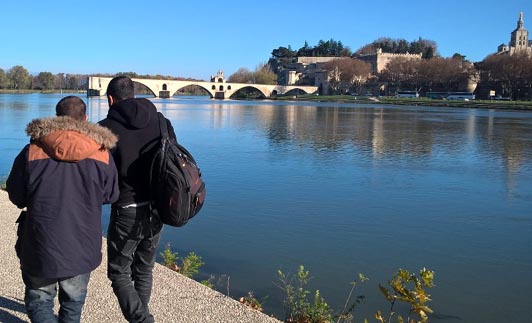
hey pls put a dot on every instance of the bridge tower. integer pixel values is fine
(219, 87)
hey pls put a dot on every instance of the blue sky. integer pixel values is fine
(197, 38)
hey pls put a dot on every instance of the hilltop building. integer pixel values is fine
(519, 41)
(300, 70)
(379, 60)
(309, 70)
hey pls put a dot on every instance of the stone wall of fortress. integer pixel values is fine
(379, 60)
(314, 60)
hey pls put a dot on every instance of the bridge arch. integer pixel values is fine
(296, 91)
(194, 84)
(144, 87)
(248, 86)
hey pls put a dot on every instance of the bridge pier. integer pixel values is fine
(164, 94)
(93, 92)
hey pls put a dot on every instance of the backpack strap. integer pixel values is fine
(164, 135)
(162, 125)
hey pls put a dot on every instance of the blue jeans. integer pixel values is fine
(132, 240)
(40, 293)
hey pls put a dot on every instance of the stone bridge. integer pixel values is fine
(217, 88)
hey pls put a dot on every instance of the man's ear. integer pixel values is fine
(86, 117)
(110, 100)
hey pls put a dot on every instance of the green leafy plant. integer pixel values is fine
(251, 301)
(190, 265)
(169, 258)
(298, 307)
(209, 282)
(409, 289)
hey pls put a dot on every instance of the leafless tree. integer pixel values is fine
(346, 74)
(512, 74)
(435, 74)
(402, 73)
(445, 74)
(262, 75)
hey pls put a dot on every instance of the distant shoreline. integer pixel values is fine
(6, 91)
(474, 104)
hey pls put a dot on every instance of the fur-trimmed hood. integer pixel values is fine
(65, 138)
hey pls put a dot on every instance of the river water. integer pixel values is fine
(348, 188)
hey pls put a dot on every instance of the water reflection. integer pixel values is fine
(411, 134)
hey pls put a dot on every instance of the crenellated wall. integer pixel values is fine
(379, 60)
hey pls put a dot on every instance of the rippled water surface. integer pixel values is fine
(344, 189)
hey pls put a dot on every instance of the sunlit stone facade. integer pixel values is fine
(519, 40)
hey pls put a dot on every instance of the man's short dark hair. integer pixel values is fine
(71, 106)
(121, 88)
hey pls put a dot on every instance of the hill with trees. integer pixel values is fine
(427, 48)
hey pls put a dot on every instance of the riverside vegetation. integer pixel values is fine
(303, 306)
(189, 266)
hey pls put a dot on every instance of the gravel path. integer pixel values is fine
(175, 298)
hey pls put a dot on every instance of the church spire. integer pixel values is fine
(520, 22)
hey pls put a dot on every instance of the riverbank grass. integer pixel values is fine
(189, 266)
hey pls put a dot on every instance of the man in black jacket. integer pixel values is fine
(62, 177)
(133, 233)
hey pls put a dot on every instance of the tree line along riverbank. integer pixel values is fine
(19, 91)
(476, 104)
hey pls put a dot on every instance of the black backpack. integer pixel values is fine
(177, 190)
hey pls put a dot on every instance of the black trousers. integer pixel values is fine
(132, 240)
